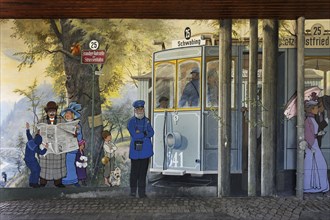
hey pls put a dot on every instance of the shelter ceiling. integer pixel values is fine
(166, 9)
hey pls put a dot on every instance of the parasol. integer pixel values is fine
(291, 106)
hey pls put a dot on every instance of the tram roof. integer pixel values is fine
(166, 9)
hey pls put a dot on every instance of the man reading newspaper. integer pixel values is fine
(60, 139)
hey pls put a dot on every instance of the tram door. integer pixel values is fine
(185, 103)
(177, 123)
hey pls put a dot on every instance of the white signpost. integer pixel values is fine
(94, 45)
(188, 41)
(194, 41)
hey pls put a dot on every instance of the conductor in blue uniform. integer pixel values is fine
(140, 150)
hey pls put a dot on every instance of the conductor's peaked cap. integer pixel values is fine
(138, 103)
(195, 70)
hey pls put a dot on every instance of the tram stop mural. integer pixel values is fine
(70, 88)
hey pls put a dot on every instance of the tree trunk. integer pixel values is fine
(79, 86)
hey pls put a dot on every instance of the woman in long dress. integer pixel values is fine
(70, 114)
(315, 166)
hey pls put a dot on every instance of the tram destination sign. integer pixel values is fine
(188, 40)
(194, 41)
(310, 42)
(315, 39)
(93, 56)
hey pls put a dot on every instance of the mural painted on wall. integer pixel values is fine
(43, 79)
(53, 105)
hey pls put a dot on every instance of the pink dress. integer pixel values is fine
(315, 166)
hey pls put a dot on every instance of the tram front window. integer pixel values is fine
(189, 84)
(164, 85)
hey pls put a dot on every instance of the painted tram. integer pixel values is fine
(186, 134)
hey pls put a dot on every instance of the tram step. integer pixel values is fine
(174, 172)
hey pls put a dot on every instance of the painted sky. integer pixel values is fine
(11, 77)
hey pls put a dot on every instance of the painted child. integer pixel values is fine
(33, 147)
(315, 166)
(81, 163)
(109, 151)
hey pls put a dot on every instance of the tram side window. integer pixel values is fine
(212, 84)
(164, 86)
(245, 76)
(189, 84)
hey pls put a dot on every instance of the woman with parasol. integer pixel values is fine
(315, 166)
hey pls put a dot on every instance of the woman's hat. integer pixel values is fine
(81, 142)
(310, 103)
(74, 108)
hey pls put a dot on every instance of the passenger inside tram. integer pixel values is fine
(212, 88)
(163, 102)
(190, 94)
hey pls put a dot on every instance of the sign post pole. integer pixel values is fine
(93, 57)
(92, 133)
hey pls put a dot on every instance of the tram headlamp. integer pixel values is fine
(173, 140)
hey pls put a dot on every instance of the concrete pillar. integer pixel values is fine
(252, 106)
(300, 106)
(224, 108)
(268, 115)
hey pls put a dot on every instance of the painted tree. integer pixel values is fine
(240, 27)
(117, 117)
(21, 152)
(128, 45)
(31, 94)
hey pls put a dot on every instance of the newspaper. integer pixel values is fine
(60, 137)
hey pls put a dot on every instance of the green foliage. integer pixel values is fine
(56, 72)
(129, 45)
(287, 28)
(34, 99)
(37, 36)
(237, 25)
(240, 27)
